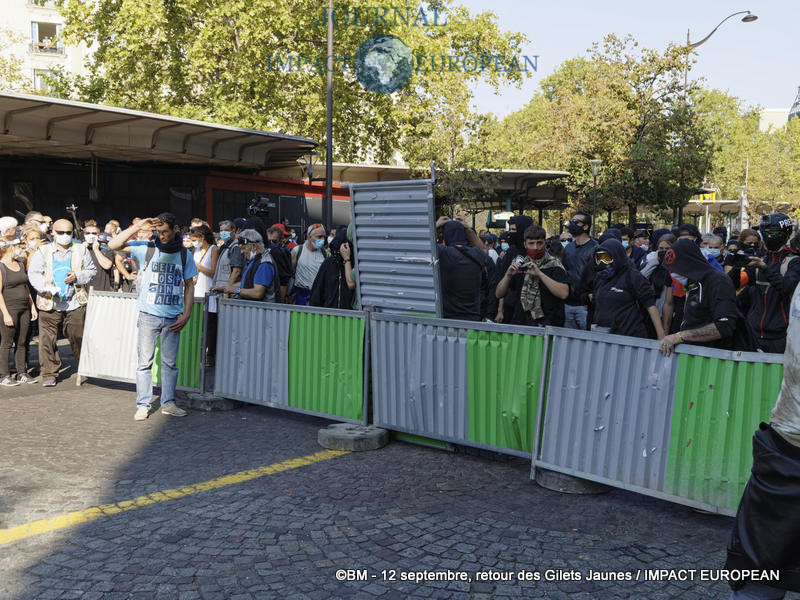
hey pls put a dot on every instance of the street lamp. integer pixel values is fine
(595, 162)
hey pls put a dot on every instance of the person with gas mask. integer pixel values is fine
(578, 256)
(620, 294)
(463, 271)
(59, 272)
(710, 315)
(503, 308)
(772, 280)
(539, 280)
(332, 287)
(307, 258)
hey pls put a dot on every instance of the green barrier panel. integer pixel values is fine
(419, 440)
(717, 408)
(503, 374)
(326, 364)
(190, 352)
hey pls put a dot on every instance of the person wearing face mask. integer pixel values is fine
(578, 256)
(642, 239)
(491, 242)
(333, 287)
(503, 308)
(541, 282)
(691, 232)
(281, 257)
(307, 258)
(504, 244)
(17, 312)
(60, 272)
(103, 257)
(716, 248)
(772, 280)
(659, 277)
(230, 260)
(636, 254)
(736, 263)
(463, 271)
(31, 240)
(291, 243)
(206, 257)
(621, 296)
(710, 315)
(259, 278)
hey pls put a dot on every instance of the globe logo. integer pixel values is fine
(383, 64)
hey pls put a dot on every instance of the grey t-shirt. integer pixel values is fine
(230, 256)
(785, 417)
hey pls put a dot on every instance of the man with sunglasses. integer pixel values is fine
(59, 272)
(166, 296)
(577, 255)
(765, 301)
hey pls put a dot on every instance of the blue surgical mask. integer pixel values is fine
(504, 246)
(715, 252)
(564, 243)
(625, 244)
(319, 244)
(224, 235)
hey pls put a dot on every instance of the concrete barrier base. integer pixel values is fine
(208, 402)
(567, 484)
(352, 437)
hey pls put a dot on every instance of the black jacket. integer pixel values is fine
(330, 288)
(765, 301)
(619, 298)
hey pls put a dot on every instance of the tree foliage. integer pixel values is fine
(12, 75)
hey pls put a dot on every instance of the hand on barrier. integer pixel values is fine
(668, 344)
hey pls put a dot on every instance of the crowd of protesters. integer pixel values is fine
(672, 285)
(48, 269)
(676, 286)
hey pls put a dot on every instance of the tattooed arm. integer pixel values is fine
(704, 333)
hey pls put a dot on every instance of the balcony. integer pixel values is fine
(45, 48)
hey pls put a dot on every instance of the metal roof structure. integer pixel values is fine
(37, 126)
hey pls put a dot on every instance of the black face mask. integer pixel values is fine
(661, 254)
(750, 249)
(774, 243)
(575, 229)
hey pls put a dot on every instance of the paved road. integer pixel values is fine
(285, 534)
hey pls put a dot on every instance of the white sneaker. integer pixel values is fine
(142, 413)
(174, 410)
(9, 382)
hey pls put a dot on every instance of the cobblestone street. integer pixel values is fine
(287, 533)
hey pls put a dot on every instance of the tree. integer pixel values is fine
(12, 75)
(221, 61)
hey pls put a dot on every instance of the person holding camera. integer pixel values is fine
(103, 257)
(540, 281)
(771, 281)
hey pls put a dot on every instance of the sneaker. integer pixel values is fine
(174, 410)
(142, 412)
(49, 383)
(25, 378)
(8, 382)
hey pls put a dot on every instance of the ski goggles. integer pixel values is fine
(603, 257)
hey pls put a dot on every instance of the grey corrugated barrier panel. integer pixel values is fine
(395, 242)
(109, 337)
(609, 409)
(252, 362)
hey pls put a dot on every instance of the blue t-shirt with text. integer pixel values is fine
(162, 281)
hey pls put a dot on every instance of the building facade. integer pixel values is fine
(38, 25)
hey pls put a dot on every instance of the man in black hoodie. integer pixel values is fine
(577, 255)
(461, 270)
(765, 301)
(503, 309)
(710, 315)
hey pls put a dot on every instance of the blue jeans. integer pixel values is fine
(150, 328)
(575, 317)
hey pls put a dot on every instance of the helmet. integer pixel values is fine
(775, 228)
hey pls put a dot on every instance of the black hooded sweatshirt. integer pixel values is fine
(461, 272)
(517, 246)
(710, 296)
(621, 294)
(330, 286)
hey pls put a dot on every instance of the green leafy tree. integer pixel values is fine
(12, 75)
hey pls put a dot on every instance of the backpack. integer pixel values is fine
(151, 251)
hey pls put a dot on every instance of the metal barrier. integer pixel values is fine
(110, 337)
(677, 428)
(309, 360)
(457, 381)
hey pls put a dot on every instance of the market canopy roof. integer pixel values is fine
(523, 188)
(36, 126)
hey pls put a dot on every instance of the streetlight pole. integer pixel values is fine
(327, 202)
(595, 162)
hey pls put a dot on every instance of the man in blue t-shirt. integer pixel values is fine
(166, 295)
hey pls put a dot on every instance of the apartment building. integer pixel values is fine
(39, 24)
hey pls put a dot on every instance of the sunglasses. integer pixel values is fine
(577, 222)
(63, 232)
(603, 258)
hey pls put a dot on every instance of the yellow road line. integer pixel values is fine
(90, 514)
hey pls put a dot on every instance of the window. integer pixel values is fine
(46, 38)
(39, 82)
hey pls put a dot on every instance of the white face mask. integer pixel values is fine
(196, 244)
(253, 254)
(91, 238)
(43, 227)
(63, 239)
(330, 239)
(33, 245)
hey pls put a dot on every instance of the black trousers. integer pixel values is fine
(16, 335)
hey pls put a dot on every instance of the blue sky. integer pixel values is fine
(758, 62)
